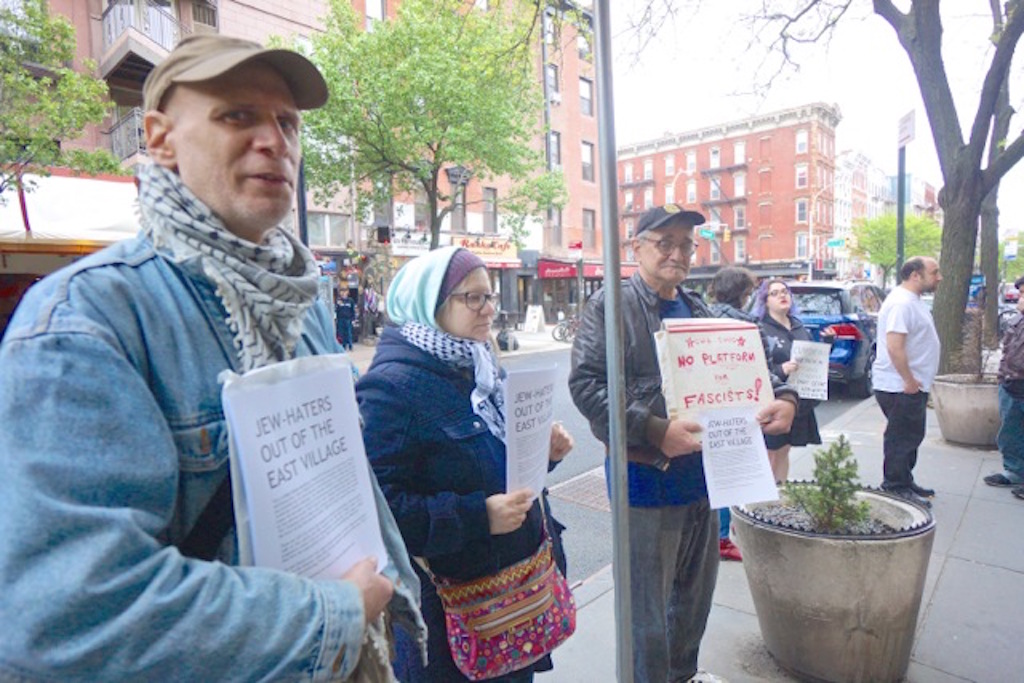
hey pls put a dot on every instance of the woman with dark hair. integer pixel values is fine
(781, 326)
(730, 290)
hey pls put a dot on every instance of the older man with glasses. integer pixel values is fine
(673, 532)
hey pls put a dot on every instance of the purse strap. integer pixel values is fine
(211, 526)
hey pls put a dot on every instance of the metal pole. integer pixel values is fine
(901, 200)
(810, 240)
(301, 204)
(613, 340)
(580, 299)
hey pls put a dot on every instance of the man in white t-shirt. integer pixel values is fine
(907, 360)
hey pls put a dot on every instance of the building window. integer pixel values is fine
(327, 229)
(739, 217)
(670, 194)
(648, 169)
(691, 191)
(549, 30)
(714, 157)
(766, 148)
(586, 97)
(670, 164)
(627, 173)
(801, 141)
(554, 226)
(627, 200)
(741, 249)
(629, 229)
(459, 210)
(490, 210)
(764, 215)
(716, 251)
(739, 185)
(739, 152)
(583, 45)
(715, 216)
(551, 78)
(801, 245)
(589, 229)
(649, 198)
(587, 157)
(766, 181)
(555, 149)
(801, 175)
(716, 188)
(204, 12)
(376, 10)
(421, 212)
(691, 161)
(801, 211)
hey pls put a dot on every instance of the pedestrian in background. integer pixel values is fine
(673, 532)
(344, 313)
(434, 427)
(1011, 404)
(781, 326)
(908, 358)
(730, 290)
(118, 552)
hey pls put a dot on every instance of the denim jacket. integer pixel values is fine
(113, 439)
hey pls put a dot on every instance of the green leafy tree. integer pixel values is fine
(441, 85)
(876, 240)
(44, 102)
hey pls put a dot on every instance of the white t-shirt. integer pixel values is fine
(905, 313)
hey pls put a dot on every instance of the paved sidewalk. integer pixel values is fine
(972, 614)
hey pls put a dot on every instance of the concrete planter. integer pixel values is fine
(839, 608)
(968, 408)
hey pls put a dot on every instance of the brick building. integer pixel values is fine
(766, 184)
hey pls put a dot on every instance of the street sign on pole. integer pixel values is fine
(707, 234)
(837, 242)
(906, 130)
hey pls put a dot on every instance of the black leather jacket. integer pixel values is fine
(646, 412)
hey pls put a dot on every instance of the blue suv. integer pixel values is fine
(845, 314)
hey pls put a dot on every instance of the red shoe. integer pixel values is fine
(727, 550)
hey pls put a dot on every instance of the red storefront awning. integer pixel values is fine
(548, 269)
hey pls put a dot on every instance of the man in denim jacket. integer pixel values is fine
(114, 440)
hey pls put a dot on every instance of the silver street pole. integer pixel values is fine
(613, 340)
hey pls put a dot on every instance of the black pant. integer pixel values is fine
(904, 432)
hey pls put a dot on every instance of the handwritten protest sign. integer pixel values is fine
(529, 409)
(306, 502)
(810, 379)
(709, 363)
(736, 466)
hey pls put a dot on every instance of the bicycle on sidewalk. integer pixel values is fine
(565, 330)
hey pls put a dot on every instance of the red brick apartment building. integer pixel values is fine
(127, 38)
(765, 183)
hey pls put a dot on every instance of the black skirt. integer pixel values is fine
(803, 432)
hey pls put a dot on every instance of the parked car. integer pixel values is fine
(845, 314)
(1010, 293)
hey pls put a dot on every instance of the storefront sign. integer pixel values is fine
(555, 270)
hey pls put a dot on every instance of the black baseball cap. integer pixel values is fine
(660, 215)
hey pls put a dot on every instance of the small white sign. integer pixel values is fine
(906, 130)
(810, 379)
(736, 466)
(529, 412)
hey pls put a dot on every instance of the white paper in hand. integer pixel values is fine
(306, 502)
(528, 417)
(736, 467)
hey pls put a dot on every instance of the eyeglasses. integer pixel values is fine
(475, 301)
(667, 246)
(778, 292)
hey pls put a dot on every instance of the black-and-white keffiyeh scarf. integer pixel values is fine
(487, 398)
(266, 288)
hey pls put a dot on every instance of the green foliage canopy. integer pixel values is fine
(440, 85)
(43, 100)
(876, 239)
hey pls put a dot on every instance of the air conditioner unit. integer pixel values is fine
(555, 97)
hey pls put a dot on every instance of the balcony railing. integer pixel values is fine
(144, 16)
(126, 136)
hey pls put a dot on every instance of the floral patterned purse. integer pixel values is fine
(505, 622)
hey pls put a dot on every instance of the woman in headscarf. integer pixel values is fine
(780, 325)
(434, 428)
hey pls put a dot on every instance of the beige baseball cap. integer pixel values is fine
(206, 56)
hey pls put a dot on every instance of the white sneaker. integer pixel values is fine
(705, 677)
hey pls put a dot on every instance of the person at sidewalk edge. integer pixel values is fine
(781, 326)
(1011, 404)
(345, 313)
(673, 532)
(907, 360)
(118, 552)
(435, 428)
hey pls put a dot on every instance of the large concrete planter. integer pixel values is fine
(967, 407)
(839, 608)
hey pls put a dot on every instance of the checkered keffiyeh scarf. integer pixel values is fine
(487, 398)
(265, 288)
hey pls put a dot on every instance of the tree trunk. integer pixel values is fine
(959, 235)
(990, 268)
(22, 203)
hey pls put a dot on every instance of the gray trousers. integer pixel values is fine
(674, 566)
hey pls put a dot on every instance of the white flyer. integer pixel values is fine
(528, 417)
(810, 379)
(306, 502)
(736, 467)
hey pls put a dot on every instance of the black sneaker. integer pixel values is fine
(922, 491)
(906, 493)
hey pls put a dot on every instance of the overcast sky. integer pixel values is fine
(701, 69)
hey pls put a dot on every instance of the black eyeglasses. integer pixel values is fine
(778, 292)
(667, 246)
(475, 301)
